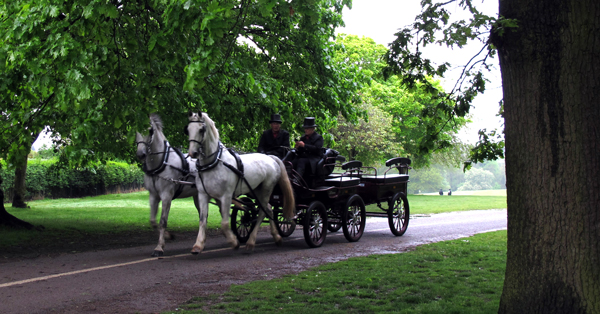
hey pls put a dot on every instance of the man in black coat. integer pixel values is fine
(273, 140)
(308, 148)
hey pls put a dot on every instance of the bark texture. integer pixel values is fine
(9, 220)
(20, 184)
(551, 79)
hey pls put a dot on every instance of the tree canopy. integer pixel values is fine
(401, 119)
(93, 70)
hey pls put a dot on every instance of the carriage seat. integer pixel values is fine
(342, 181)
(386, 179)
(352, 165)
(326, 165)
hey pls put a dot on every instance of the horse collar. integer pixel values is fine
(213, 163)
(160, 168)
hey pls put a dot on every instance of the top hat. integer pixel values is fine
(275, 118)
(309, 122)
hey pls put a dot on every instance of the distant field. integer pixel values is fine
(480, 193)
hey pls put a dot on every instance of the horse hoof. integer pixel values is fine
(194, 253)
(237, 246)
(279, 242)
(157, 253)
(249, 247)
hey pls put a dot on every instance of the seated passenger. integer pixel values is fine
(274, 140)
(308, 148)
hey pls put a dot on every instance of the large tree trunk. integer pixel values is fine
(20, 182)
(9, 220)
(551, 79)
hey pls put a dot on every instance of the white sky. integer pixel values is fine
(380, 19)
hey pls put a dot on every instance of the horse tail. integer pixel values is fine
(289, 204)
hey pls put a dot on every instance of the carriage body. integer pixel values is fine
(335, 197)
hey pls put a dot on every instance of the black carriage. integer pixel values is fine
(328, 200)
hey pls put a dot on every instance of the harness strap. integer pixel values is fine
(240, 173)
(160, 168)
(181, 187)
(213, 163)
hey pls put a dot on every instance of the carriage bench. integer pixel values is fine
(342, 182)
(386, 179)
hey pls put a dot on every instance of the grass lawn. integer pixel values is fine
(459, 276)
(78, 219)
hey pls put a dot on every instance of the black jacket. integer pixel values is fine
(271, 145)
(313, 149)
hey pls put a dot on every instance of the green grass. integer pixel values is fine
(74, 219)
(426, 204)
(78, 219)
(460, 276)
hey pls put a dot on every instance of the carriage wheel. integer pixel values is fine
(243, 220)
(354, 218)
(398, 214)
(334, 226)
(314, 224)
(284, 227)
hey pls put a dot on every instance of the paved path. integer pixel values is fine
(129, 281)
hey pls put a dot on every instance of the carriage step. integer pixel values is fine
(376, 214)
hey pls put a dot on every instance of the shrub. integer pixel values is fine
(48, 178)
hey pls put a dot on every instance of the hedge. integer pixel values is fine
(48, 179)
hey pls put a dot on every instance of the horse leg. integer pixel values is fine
(251, 243)
(162, 228)
(203, 214)
(224, 207)
(154, 199)
(274, 232)
(196, 204)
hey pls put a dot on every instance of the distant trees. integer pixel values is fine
(399, 118)
(483, 176)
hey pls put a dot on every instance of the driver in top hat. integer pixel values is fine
(309, 147)
(273, 140)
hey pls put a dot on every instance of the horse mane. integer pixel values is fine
(156, 121)
(211, 124)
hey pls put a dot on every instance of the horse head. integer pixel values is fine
(203, 135)
(143, 144)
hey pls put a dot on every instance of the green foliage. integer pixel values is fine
(478, 179)
(49, 178)
(92, 71)
(400, 118)
(433, 26)
(483, 176)
(427, 180)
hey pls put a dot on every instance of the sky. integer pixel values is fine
(380, 19)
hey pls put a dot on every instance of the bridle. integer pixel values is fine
(202, 131)
(201, 149)
(149, 152)
(149, 143)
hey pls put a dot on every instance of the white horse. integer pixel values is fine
(164, 167)
(216, 179)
